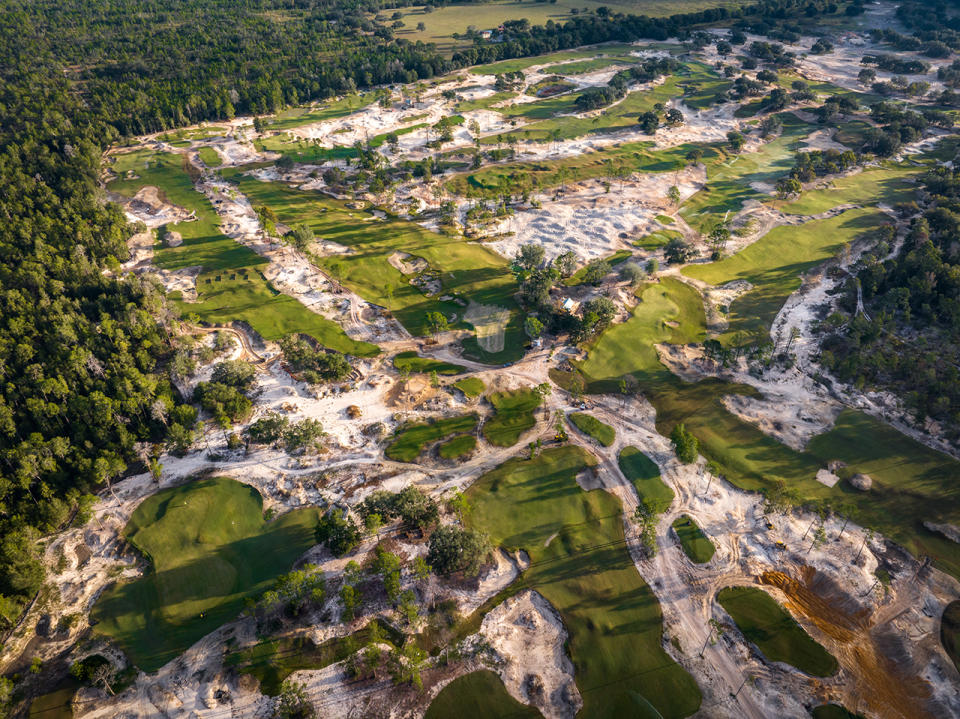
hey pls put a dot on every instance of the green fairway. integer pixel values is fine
(658, 239)
(778, 636)
(209, 548)
(465, 269)
(522, 63)
(912, 483)
(950, 632)
(580, 563)
(590, 425)
(887, 185)
(457, 447)
(412, 362)
(470, 386)
(514, 416)
(410, 440)
(696, 545)
(231, 286)
(209, 157)
(774, 263)
(478, 694)
(729, 175)
(645, 475)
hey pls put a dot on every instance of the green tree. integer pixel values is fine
(454, 549)
(533, 327)
(338, 531)
(684, 444)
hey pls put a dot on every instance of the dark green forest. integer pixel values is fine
(85, 393)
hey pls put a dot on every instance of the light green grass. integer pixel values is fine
(467, 269)
(581, 67)
(412, 362)
(478, 694)
(513, 417)
(593, 427)
(209, 548)
(410, 440)
(580, 564)
(307, 114)
(664, 219)
(470, 386)
(305, 151)
(658, 239)
(767, 625)
(522, 63)
(209, 156)
(197, 133)
(645, 476)
(484, 103)
(888, 185)
(53, 705)
(231, 286)
(457, 447)
(774, 264)
(696, 545)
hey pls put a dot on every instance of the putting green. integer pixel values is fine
(514, 416)
(645, 475)
(209, 548)
(769, 626)
(580, 563)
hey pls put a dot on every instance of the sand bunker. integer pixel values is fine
(408, 264)
(528, 634)
(489, 322)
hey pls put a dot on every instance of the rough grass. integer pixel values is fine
(774, 264)
(586, 573)
(412, 362)
(409, 441)
(696, 545)
(778, 636)
(888, 185)
(593, 427)
(645, 475)
(513, 416)
(467, 270)
(53, 705)
(209, 548)
(658, 239)
(470, 386)
(231, 286)
(478, 694)
(457, 447)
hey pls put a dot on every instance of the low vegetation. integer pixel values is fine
(645, 476)
(410, 440)
(457, 447)
(513, 416)
(470, 386)
(478, 694)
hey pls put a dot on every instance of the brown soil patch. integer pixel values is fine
(884, 679)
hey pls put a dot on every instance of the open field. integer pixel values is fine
(466, 270)
(767, 625)
(590, 425)
(231, 285)
(478, 694)
(412, 362)
(209, 157)
(443, 23)
(409, 441)
(645, 475)
(580, 564)
(470, 386)
(209, 548)
(885, 185)
(514, 416)
(774, 263)
(696, 545)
